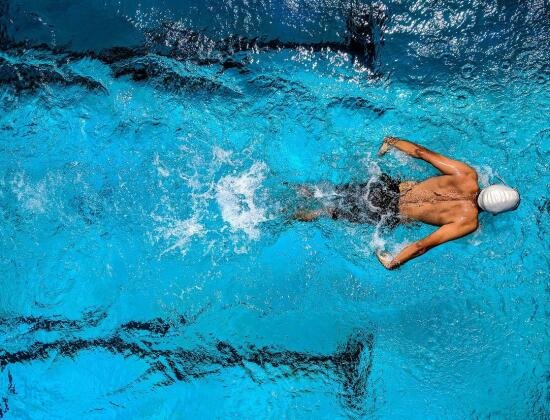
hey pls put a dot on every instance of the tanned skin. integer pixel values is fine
(447, 200)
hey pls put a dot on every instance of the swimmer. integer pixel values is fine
(452, 201)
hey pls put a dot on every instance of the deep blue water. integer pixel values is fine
(148, 267)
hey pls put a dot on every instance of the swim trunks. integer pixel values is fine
(371, 202)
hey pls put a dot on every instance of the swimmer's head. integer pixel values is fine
(498, 198)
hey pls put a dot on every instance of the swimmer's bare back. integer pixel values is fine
(448, 201)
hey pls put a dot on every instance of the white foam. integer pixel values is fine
(402, 157)
(179, 232)
(475, 238)
(485, 173)
(221, 155)
(235, 196)
(374, 171)
(372, 167)
(33, 197)
(377, 242)
(399, 158)
(323, 191)
(162, 170)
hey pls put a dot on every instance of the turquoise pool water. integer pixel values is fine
(148, 267)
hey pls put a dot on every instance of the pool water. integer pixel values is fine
(149, 267)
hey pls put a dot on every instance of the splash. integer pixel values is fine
(179, 232)
(162, 170)
(485, 174)
(488, 176)
(33, 197)
(235, 195)
(377, 241)
(222, 156)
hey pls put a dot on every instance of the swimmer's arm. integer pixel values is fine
(444, 164)
(444, 234)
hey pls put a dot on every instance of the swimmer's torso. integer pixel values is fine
(440, 200)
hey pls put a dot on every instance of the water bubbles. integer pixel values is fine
(178, 233)
(162, 170)
(463, 96)
(506, 64)
(467, 71)
(32, 196)
(236, 196)
(184, 163)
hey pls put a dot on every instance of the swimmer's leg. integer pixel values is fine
(312, 215)
(307, 215)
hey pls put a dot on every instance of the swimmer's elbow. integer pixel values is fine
(467, 228)
(421, 152)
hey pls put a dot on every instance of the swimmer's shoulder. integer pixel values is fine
(467, 181)
(467, 216)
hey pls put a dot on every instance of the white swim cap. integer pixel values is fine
(498, 198)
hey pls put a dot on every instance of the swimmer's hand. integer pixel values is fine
(386, 144)
(385, 258)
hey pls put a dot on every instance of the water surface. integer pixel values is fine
(148, 266)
